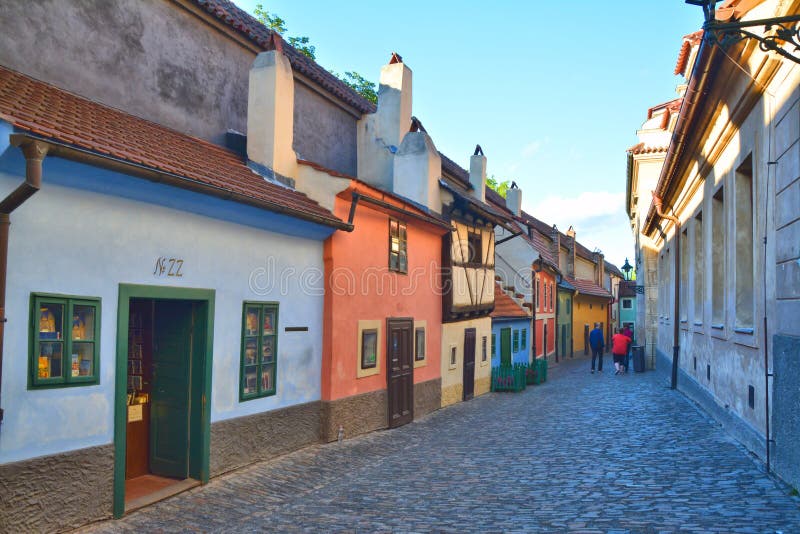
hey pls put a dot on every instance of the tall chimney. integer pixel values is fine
(477, 174)
(417, 169)
(571, 253)
(270, 111)
(380, 133)
(514, 199)
(555, 237)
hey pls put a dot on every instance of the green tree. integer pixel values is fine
(303, 45)
(500, 187)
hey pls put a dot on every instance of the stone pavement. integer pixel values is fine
(582, 452)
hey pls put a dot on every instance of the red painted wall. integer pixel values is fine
(545, 313)
(359, 286)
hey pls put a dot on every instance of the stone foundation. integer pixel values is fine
(358, 414)
(483, 385)
(58, 492)
(427, 397)
(452, 394)
(786, 408)
(253, 438)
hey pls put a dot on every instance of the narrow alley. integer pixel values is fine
(592, 453)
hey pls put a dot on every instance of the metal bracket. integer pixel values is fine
(778, 31)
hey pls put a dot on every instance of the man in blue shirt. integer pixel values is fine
(597, 342)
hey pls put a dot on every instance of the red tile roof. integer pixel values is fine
(61, 116)
(505, 306)
(241, 21)
(456, 171)
(588, 287)
(683, 56)
(641, 148)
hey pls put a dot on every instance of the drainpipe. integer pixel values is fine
(34, 152)
(676, 318)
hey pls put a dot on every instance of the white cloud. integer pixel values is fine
(531, 149)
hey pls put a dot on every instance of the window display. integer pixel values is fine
(259, 350)
(63, 346)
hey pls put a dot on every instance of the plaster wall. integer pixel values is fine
(74, 238)
(150, 58)
(564, 323)
(156, 60)
(471, 282)
(585, 270)
(523, 355)
(417, 170)
(360, 287)
(513, 260)
(587, 310)
(453, 375)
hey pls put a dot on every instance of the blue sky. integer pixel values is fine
(553, 91)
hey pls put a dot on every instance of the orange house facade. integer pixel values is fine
(383, 316)
(545, 316)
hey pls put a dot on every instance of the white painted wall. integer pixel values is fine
(76, 242)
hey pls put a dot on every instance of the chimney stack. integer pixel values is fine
(417, 169)
(555, 237)
(600, 269)
(270, 111)
(381, 133)
(571, 253)
(477, 174)
(514, 199)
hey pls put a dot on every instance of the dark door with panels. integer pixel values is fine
(400, 371)
(469, 363)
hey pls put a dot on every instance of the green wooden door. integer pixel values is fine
(505, 346)
(169, 422)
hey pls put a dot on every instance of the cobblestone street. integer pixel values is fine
(582, 452)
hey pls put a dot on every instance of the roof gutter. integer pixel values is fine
(693, 106)
(81, 155)
(35, 152)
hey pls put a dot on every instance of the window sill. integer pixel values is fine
(748, 331)
(700, 325)
(718, 327)
(420, 363)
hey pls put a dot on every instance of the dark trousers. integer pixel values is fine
(597, 353)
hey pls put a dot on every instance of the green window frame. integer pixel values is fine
(64, 343)
(259, 359)
(515, 343)
(494, 345)
(524, 339)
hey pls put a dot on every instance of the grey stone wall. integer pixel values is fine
(58, 492)
(150, 58)
(358, 414)
(427, 397)
(324, 132)
(786, 408)
(253, 438)
(155, 60)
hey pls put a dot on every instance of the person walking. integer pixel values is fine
(598, 344)
(619, 349)
(627, 331)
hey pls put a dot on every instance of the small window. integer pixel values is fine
(590, 305)
(65, 341)
(538, 290)
(515, 343)
(627, 304)
(551, 296)
(524, 339)
(398, 246)
(259, 350)
(453, 357)
(369, 348)
(475, 243)
(419, 344)
(494, 344)
(483, 349)
(569, 305)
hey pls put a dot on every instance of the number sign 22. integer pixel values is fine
(168, 267)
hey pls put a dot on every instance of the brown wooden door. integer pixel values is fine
(469, 363)
(400, 371)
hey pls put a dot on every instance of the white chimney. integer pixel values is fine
(477, 174)
(417, 169)
(514, 199)
(270, 111)
(380, 134)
